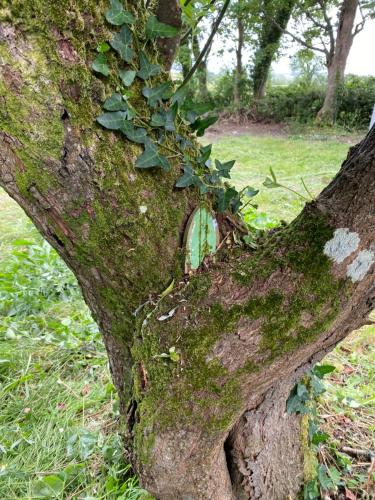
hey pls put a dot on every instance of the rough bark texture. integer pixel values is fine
(337, 58)
(275, 20)
(245, 329)
(169, 12)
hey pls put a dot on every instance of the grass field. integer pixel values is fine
(58, 409)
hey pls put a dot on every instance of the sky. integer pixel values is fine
(361, 59)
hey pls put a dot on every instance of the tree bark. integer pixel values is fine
(239, 67)
(336, 61)
(275, 20)
(245, 329)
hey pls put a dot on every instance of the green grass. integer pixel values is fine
(316, 161)
(59, 435)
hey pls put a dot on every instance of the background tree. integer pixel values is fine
(329, 28)
(203, 364)
(273, 19)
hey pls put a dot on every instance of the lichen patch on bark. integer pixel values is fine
(342, 245)
(358, 269)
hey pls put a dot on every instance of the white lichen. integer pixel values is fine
(343, 244)
(360, 265)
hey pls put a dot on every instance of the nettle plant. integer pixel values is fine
(169, 113)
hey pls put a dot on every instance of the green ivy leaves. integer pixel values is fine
(156, 29)
(121, 42)
(134, 134)
(100, 65)
(115, 103)
(113, 121)
(117, 15)
(147, 69)
(156, 95)
(127, 77)
(152, 158)
(169, 111)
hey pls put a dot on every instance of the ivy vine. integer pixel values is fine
(169, 110)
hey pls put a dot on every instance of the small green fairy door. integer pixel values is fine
(201, 238)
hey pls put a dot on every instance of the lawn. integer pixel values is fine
(58, 409)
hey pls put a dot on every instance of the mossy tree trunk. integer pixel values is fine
(275, 18)
(212, 424)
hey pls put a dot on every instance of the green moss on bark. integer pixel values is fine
(202, 393)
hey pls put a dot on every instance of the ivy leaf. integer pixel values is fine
(250, 192)
(113, 121)
(121, 42)
(156, 29)
(200, 124)
(152, 158)
(103, 47)
(134, 134)
(224, 168)
(180, 95)
(322, 370)
(205, 154)
(189, 178)
(115, 103)
(155, 95)
(193, 110)
(158, 119)
(117, 15)
(170, 118)
(99, 65)
(147, 69)
(225, 198)
(127, 77)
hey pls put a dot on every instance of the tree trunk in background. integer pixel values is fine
(275, 20)
(184, 57)
(336, 62)
(213, 423)
(201, 73)
(239, 68)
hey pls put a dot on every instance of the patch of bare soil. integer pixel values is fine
(232, 126)
(237, 126)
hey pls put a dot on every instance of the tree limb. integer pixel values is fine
(189, 32)
(298, 39)
(207, 44)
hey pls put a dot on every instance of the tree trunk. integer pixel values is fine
(275, 20)
(211, 424)
(239, 68)
(337, 61)
(184, 57)
(201, 72)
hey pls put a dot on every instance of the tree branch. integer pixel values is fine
(329, 27)
(207, 44)
(297, 39)
(189, 32)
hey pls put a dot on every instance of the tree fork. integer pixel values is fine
(245, 329)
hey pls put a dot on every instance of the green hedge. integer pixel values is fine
(356, 99)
